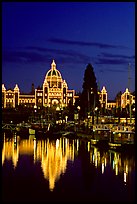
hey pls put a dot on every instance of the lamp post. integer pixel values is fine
(93, 105)
(61, 114)
(96, 109)
(133, 114)
(75, 119)
(78, 108)
(35, 110)
(57, 113)
(130, 113)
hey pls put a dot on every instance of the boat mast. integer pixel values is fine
(129, 90)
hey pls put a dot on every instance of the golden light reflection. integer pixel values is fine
(119, 163)
(102, 168)
(95, 156)
(10, 150)
(126, 170)
(88, 146)
(54, 155)
(54, 159)
(77, 145)
(116, 162)
(125, 177)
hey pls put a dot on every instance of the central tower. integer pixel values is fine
(54, 88)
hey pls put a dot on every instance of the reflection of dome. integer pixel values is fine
(54, 159)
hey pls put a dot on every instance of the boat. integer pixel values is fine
(122, 136)
(31, 131)
(70, 134)
(122, 129)
(101, 133)
(23, 128)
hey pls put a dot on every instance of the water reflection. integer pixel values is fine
(54, 155)
(121, 164)
(10, 150)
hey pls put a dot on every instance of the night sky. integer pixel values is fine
(73, 34)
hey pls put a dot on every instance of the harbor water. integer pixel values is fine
(64, 169)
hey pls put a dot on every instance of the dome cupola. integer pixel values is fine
(53, 77)
(53, 72)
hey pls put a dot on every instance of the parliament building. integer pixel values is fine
(53, 92)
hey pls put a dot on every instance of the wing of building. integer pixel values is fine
(122, 100)
(53, 92)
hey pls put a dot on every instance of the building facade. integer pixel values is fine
(127, 98)
(103, 97)
(122, 100)
(53, 92)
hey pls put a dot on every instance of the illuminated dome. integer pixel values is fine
(53, 77)
(53, 72)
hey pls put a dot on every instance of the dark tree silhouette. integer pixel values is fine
(89, 97)
(77, 100)
(118, 99)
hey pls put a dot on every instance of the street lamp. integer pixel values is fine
(66, 118)
(57, 109)
(93, 105)
(103, 121)
(96, 111)
(61, 114)
(78, 108)
(35, 108)
(90, 91)
(60, 110)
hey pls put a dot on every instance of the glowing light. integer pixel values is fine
(116, 169)
(10, 152)
(113, 166)
(96, 162)
(88, 146)
(105, 161)
(66, 141)
(125, 177)
(54, 160)
(15, 139)
(57, 143)
(93, 158)
(102, 168)
(126, 168)
(77, 144)
(34, 143)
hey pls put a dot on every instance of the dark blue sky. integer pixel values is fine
(73, 34)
